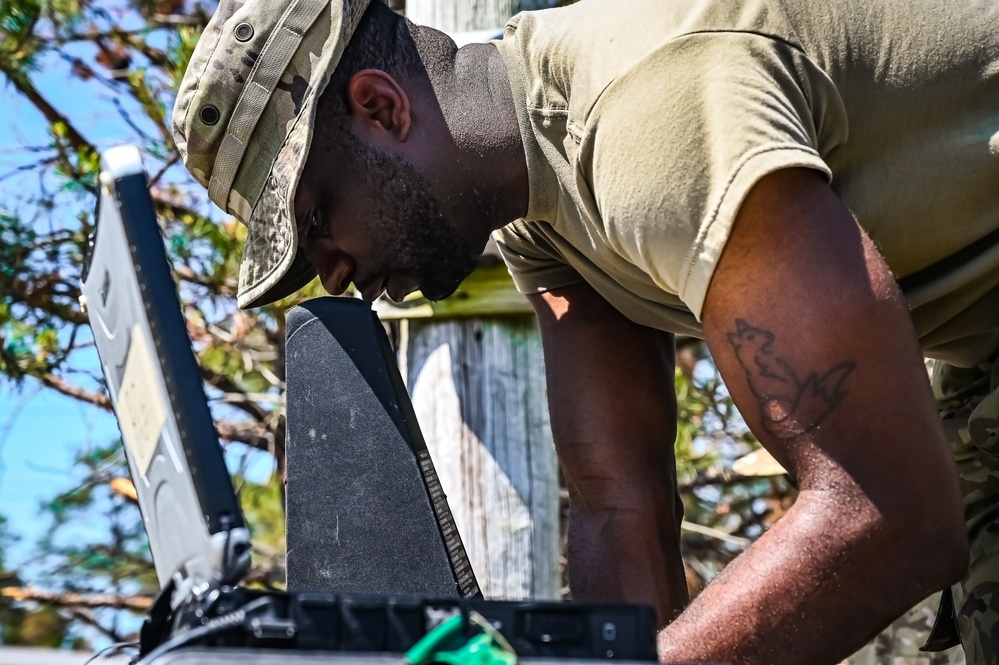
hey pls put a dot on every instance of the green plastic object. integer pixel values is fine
(447, 644)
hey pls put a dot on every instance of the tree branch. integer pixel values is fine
(61, 385)
(173, 209)
(174, 158)
(702, 530)
(218, 288)
(195, 19)
(252, 434)
(235, 395)
(76, 600)
(87, 617)
(248, 433)
(38, 294)
(270, 574)
(25, 87)
(97, 36)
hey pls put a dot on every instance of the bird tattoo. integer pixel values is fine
(789, 405)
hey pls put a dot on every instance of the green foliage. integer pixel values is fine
(113, 554)
(78, 168)
(7, 577)
(18, 45)
(181, 49)
(16, 243)
(262, 508)
(711, 435)
(28, 626)
(38, 299)
(40, 627)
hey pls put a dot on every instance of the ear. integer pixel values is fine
(378, 104)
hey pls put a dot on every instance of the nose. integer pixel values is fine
(335, 271)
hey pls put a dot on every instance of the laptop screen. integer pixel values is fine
(196, 531)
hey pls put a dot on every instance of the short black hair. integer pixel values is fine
(382, 40)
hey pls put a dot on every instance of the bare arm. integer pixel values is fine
(814, 341)
(613, 411)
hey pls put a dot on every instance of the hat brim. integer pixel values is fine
(272, 266)
(298, 277)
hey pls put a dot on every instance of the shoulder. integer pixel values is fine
(671, 148)
(569, 54)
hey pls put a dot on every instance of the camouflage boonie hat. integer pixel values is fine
(243, 123)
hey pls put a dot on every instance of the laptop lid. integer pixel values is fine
(195, 526)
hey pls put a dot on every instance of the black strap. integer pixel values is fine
(944, 634)
(959, 258)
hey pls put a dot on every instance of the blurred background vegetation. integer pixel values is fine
(87, 586)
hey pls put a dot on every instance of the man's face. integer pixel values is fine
(372, 219)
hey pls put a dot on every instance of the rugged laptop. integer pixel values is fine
(195, 526)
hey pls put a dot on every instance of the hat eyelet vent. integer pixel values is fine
(209, 115)
(243, 32)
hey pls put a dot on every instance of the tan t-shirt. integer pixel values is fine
(646, 122)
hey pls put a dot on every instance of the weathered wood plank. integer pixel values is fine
(465, 15)
(478, 388)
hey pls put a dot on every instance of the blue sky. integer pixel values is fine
(40, 431)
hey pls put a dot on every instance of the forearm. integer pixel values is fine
(627, 548)
(613, 415)
(625, 514)
(814, 589)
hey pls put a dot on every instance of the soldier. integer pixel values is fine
(812, 188)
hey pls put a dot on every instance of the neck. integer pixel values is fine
(473, 90)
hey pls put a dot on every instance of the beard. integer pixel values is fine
(407, 224)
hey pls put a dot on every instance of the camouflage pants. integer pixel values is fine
(969, 409)
(969, 400)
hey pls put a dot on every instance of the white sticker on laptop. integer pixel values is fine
(141, 414)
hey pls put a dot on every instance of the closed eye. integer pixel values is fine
(314, 225)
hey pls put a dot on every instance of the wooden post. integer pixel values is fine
(466, 15)
(475, 371)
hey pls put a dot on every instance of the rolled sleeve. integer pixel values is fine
(533, 262)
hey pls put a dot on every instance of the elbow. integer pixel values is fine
(917, 538)
(911, 522)
(934, 516)
(945, 550)
(932, 539)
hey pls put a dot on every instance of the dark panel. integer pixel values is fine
(365, 511)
